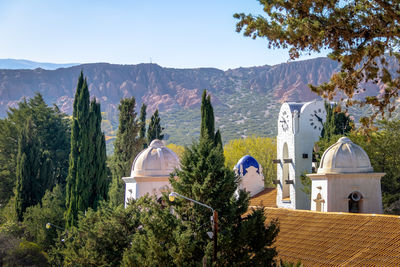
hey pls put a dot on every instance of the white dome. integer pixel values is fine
(345, 157)
(155, 161)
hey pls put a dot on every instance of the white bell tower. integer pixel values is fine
(299, 127)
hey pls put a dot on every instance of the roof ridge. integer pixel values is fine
(337, 213)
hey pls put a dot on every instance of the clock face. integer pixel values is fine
(284, 121)
(317, 118)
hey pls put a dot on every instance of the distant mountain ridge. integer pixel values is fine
(15, 64)
(246, 100)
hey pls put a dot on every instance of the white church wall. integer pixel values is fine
(130, 189)
(151, 187)
(319, 186)
(140, 186)
(335, 189)
(341, 186)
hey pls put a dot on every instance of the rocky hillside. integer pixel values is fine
(246, 100)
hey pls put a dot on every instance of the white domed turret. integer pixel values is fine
(345, 181)
(150, 171)
(156, 160)
(345, 157)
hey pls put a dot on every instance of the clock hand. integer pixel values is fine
(318, 118)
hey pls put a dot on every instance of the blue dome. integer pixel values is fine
(246, 162)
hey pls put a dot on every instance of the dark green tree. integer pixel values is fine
(52, 128)
(142, 118)
(33, 170)
(358, 34)
(101, 237)
(26, 254)
(207, 127)
(204, 177)
(126, 146)
(155, 242)
(87, 174)
(337, 122)
(155, 130)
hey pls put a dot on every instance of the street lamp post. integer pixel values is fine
(49, 225)
(214, 219)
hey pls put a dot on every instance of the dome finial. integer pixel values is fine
(156, 143)
(344, 139)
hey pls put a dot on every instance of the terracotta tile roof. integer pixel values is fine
(266, 198)
(337, 239)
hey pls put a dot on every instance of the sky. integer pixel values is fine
(173, 33)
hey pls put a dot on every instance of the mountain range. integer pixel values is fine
(246, 100)
(14, 64)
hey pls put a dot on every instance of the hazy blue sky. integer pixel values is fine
(173, 33)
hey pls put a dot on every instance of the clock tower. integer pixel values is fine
(299, 127)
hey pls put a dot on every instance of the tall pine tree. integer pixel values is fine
(126, 146)
(155, 130)
(33, 170)
(87, 178)
(204, 177)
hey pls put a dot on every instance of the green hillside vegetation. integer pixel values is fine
(237, 115)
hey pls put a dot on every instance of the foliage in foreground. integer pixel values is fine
(51, 210)
(15, 252)
(358, 34)
(100, 237)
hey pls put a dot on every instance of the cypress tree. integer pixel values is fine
(207, 127)
(87, 180)
(126, 146)
(207, 117)
(142, 119)
(33, 170)
(155, 129)
(97, 159)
